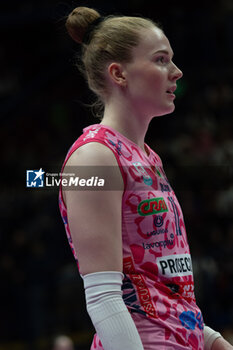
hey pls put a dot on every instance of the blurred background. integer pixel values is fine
(43, 110)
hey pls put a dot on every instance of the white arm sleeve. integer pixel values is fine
(107, 310)
(209, 337)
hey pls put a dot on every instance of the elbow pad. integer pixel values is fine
(107, 310)
(209, 337)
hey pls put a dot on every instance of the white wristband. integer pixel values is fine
(107, 310)
(209, 337)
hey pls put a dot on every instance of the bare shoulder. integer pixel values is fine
(94, 160)
(92, 153)
(94, 216)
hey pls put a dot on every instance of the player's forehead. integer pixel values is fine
(152, 40)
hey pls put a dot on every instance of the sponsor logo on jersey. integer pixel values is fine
(91, 134)
(175, 265)
(117, 145)
(130, 296)
(158, 221)
(187, 289)
(165, 188)
(142, 289)
(158, 171)
(189, 320)
(177, 219)
(152, 206)
(158, 244)
(158, 232)
(141, 170)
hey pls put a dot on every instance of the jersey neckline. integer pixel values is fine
(147, 152)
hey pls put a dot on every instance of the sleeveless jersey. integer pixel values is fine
(158, 286)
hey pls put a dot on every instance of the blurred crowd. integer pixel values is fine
(43, 110)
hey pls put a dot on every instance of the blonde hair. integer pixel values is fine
(111, 40)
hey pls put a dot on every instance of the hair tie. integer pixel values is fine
(87, 35)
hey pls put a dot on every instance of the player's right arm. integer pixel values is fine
(94, 219)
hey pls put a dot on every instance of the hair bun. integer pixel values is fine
(78, 21)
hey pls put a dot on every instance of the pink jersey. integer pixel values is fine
(158, 287)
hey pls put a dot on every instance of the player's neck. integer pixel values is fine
(127, 122)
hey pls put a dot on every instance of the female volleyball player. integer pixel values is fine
(129, 240)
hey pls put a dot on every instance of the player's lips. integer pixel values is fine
(171, 89)
(170, 92)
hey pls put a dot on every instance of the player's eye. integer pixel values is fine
(161, 59)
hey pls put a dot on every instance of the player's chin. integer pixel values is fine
(167, 110)
(171, 108)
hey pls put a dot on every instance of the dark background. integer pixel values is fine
(42, 111)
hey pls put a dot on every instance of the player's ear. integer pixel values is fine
(117, 74)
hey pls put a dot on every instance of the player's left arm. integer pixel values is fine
(214, 341)
(221, 344)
